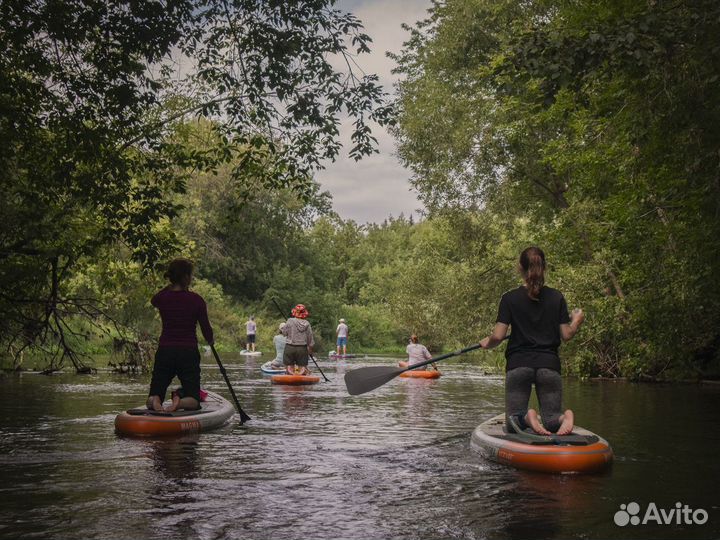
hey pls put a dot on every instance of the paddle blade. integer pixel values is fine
(361, 380)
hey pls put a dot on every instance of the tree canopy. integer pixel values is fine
(139, 131)
(91, 94)
(593, 131)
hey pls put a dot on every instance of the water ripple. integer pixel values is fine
(317, 463)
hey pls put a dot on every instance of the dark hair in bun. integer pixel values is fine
(179, 272)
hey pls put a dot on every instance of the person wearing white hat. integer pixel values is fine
(342, 337)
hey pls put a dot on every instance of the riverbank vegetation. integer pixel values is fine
(592, 132)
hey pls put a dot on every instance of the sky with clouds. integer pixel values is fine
(376, 187)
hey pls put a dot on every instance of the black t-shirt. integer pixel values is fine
(535, 334)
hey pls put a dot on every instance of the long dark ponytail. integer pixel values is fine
(532, 263)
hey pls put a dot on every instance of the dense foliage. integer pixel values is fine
(592, 130)
(91, 94)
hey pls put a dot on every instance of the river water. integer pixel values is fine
(316, 463)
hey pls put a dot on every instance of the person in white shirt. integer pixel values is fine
(342, 337)
(251, 329)
(279, 341)
(417, 352)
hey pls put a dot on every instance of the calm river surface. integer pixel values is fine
(315, 463)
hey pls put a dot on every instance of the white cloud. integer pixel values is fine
(377, 186)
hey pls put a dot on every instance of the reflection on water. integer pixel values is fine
(175, 458)
(317, 463)
(172, 492)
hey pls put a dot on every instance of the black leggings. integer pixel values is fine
(548, 387)
(172, 361)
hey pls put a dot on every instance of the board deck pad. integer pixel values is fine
(528, 436)
(148, 412)
(573, 439)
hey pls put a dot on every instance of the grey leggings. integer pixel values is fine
(548, 387)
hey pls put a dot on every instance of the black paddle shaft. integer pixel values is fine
(444, 356)
(282, 314)
(450, 354)
(359, 381)
(243, 416)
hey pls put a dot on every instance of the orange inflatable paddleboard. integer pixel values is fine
(580, 452)
(141, 422)
(419, 373)
(295, 380)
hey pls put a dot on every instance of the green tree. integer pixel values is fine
(91, 94)
(591, 130)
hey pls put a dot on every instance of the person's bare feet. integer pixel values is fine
(567, 423)
(154, 403)
(174, 405)
(532, 420)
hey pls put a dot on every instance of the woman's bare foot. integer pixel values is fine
(154, 403)
(174, 405)
(567, 423)
(531, 419)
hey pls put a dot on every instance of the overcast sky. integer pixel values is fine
(376, 187)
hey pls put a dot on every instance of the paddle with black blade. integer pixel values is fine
(282, 314)
(361, 380)
(243, 416)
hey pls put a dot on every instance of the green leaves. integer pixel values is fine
(91, 96)
(592, 125)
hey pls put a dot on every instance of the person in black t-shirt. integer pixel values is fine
(540, 321)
